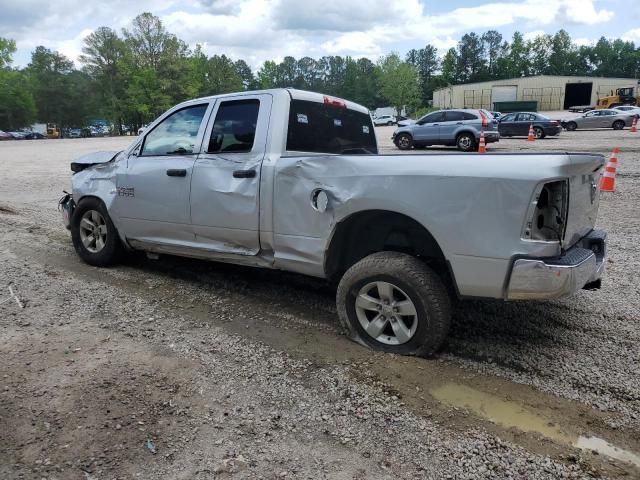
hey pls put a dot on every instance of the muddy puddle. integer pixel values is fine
(511, 414)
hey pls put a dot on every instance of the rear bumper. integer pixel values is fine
(582, 266)
(553, 130)
(490, 137)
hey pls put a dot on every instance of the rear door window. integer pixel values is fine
(525, 117)
(453, 116)
(468, 116)
(321, 128)
(234, 129)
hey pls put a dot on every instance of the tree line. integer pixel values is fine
(131, 77)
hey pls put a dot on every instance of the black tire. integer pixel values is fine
(415, 279)
(112, 251)
(466, 142)
(389, 124)
(404, 141)
(618, 125)
(571, 126)
(538, 133)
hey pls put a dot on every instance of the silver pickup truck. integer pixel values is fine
(292, 180)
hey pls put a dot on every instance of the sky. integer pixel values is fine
(259, 30)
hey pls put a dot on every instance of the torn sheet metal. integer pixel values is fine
(90, 159)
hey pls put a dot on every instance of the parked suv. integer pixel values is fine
(460, 128)
(384, 120)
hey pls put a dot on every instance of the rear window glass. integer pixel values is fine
(316, 127)
(468, 116)
(453, 116)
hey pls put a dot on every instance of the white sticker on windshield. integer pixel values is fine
(365, 129)
(337, 122)
(302, 118)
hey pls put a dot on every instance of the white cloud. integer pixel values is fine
(533, 34)
(632, 35)
(581, 12)
(257, 30)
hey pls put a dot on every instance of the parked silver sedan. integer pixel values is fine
(605, 118)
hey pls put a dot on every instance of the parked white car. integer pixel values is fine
(384, 120)
(629, 109)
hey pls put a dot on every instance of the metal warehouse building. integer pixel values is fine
(551, 92)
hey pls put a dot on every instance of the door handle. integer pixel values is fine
(459, 123)
(244, 173)
(435, 124)
(177, 172)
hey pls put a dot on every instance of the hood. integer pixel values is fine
(404, 123)
(90, 159)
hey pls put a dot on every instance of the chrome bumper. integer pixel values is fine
(581, 266)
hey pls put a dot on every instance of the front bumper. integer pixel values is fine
(582, 266)
(66, 206)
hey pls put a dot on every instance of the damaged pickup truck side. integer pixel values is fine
(292, 180)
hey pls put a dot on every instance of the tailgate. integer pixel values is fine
(584, 196)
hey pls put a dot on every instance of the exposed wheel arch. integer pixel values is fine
(371, 231)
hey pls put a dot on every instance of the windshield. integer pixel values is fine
(316, 127)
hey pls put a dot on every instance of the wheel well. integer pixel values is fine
(364, 233)
(463, 132)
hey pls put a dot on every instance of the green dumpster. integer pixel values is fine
(506, 107)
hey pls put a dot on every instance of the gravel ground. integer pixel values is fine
(183, 369)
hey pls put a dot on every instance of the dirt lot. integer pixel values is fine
(190, 370)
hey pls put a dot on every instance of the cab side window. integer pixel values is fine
(234, 129)
(176, 134)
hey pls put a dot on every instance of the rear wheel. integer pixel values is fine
(389, 123)
(538, 132)
(618, 125)
(404, 141)
(466, 142)
(394, 302)
(93, 234)
(571, 126)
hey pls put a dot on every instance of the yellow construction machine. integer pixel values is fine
(623, 96)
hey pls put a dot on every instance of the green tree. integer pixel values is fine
(448, 70)
(471, 66)
(17, 106)
(399, 83)
(267, 76)
(7, 49)
(515, 62)
(102, 57)
(493, 48)
(426, 62)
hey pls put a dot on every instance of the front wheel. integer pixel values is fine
(394, 302)
(389, 124)
(93, 234)
(618, 125)
(404, 141)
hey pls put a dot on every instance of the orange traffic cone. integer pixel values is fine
(608, 178)
(530, 137)
(634, 127)
(482, 148)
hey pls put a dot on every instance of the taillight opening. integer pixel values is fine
(548, 217)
